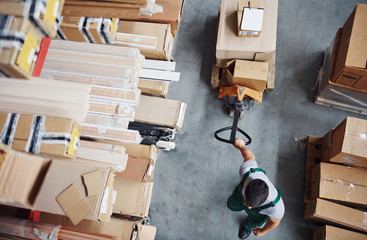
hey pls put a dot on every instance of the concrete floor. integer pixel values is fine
(192, 183)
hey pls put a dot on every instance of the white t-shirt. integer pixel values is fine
(278, 210)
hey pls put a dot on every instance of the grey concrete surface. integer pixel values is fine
(192, 183)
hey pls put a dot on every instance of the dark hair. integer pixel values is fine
(256, 193)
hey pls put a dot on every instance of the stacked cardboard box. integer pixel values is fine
(342, 81)
(335, 193)
(240, 45)
(25, 22)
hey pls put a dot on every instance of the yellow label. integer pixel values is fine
(114, 26)
(52, 9)
(26, 54)
(73, 141)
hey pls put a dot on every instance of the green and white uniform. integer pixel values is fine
(273, 207)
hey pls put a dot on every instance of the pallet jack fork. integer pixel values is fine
(237, 98)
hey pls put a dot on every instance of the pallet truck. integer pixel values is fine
(237, 99)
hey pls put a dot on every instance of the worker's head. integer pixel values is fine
(257, 191)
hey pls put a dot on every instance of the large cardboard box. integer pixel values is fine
(43, 17)
(230, 47)
(60, 176)
(141, 162)
(351, 63)
(122, 229)
(21, 177)
(249, 74)
(324, 211)
(160, 111)
(52, 136)
(133, 198)
(17, 58)
(333, 233)
(162, 33)
(340, 183)
(349, 143)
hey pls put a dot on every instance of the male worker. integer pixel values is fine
(257, 196)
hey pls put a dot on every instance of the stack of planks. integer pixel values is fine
(113, 73)
(40, 96)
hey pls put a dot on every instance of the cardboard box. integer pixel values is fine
(122, 229)
(21, 177)
(230, 47)
(351, 63)
(340, 183)
(141, 163)
(255, 18)
(44, 16)
(160, 111)
(162, 33)
(349, 143)
(60, 176)
(324, 211)
(133, 198)
(249, 74)
(333, 233)
(52, 136)
(18, 58)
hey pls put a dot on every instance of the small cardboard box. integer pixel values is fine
(249, 18)
(21, 177)
(351, 62)
(17, 59)
(349, 143)
(324, 211)
(52, 136)
(249, 74)
(333, 233)
(340, 183)
(45, 16)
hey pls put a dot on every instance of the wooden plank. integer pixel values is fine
(112, 109)
(109, 50)
(115, 94)
(159, 65)
(341, 106)
(153, 88)
(107, 120)
(95, 11)
(90, 79)
(80, 3)
(115, 134)
(134, 40)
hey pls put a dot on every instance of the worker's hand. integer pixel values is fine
(239, 143)
(258, 232)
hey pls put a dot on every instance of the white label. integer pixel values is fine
(104, 205)
(248, 33)
(30, 56)
(252, 19)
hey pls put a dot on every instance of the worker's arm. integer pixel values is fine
(246, 153)
(270, 225)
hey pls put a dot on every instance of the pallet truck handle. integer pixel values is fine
(234, 130)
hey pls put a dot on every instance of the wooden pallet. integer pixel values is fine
(341, 106)
(314, 149)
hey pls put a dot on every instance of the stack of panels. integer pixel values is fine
(113, 73)
(47, 97)
(86, 29)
